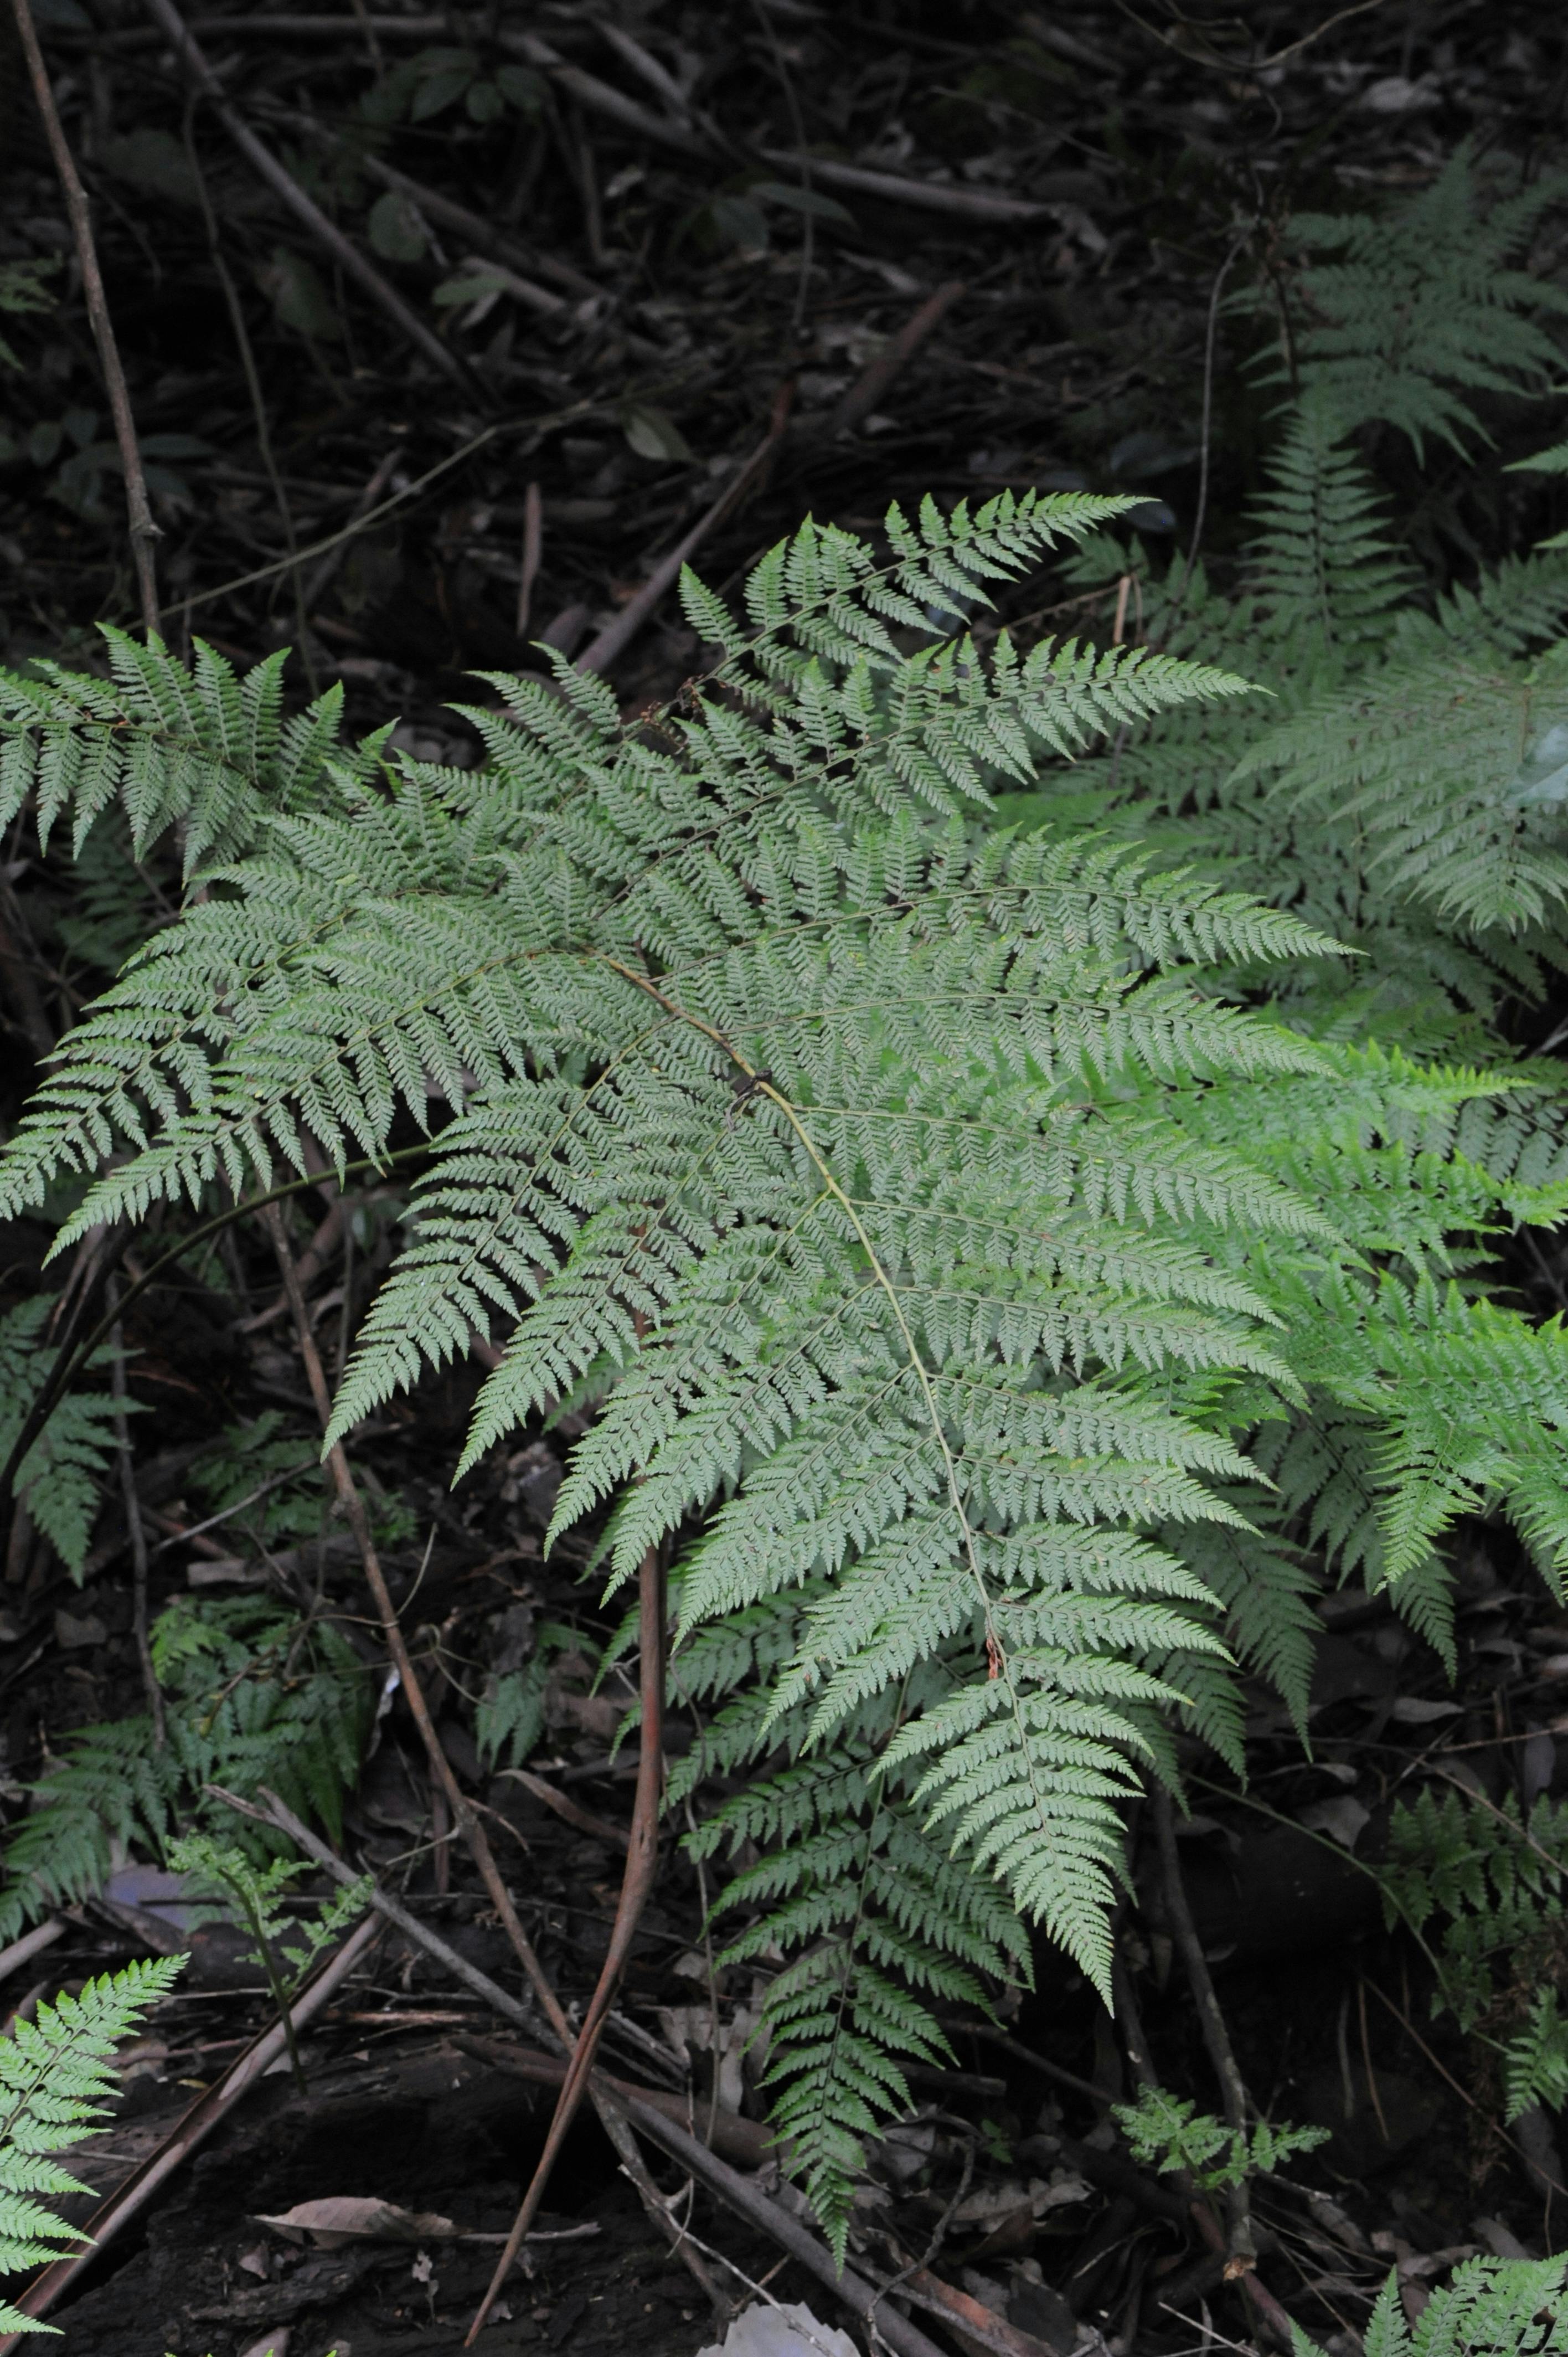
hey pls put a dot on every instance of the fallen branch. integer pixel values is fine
(31, 1944)
(600, 98)
(303, 208)
(931, 196)
(979, 2325)
(875, 379)
(192, 2129)
(143, 531)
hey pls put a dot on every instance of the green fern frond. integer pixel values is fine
(54, 2071)
(57, 1480)
(1398, 316)
(1489, 2307)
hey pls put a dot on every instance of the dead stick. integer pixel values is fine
(642, 1860)
(354, 1513)
(188, 2132)
(601, 651)
(473, 1832)
(873, 382)
(143, 531)
(305, 210)
(896, 187)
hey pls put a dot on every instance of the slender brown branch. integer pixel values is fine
(143, 531)
(303, 208)
(1240, 2248)
(642, 1859)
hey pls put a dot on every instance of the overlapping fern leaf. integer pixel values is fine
(202, 750)
(912, 1200)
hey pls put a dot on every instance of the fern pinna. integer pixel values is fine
(921, 1212)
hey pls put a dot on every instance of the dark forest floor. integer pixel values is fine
(618, 310)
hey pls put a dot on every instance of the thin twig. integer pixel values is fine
(134, 1531)
(536, 426)
(642, 1859)
(143, 531)
(1211, 2020)
(1211, 334)
(1416, 2039)
(253, 385)
(303, 208)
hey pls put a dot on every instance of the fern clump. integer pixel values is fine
(935, 1221)
(252, 1695)
(54, 2072)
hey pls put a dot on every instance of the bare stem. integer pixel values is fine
(143, 531)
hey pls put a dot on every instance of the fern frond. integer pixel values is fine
(54, 2071)
(1400, 315)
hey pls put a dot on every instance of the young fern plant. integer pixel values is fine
(54, 2071)
(917, 1205)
